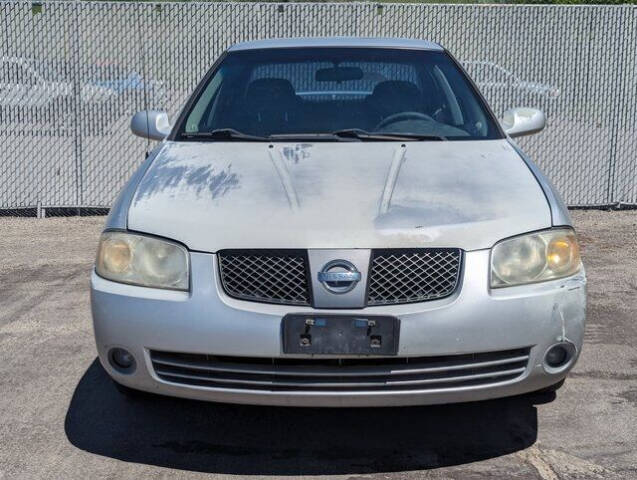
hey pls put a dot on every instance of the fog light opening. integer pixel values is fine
(121, 360)
(558, 356)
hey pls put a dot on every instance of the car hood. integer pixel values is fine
(219, 195)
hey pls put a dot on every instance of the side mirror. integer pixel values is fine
(150, 124)
(522, 121)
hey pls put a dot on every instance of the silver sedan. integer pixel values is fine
(338, 222)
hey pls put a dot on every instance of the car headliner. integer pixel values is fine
(355, 42)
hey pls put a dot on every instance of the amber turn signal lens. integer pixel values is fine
(116, 255)
(562, 253)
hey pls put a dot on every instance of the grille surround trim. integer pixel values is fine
(429, 274)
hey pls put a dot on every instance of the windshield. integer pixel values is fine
(288, 92)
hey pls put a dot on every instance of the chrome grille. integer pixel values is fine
(266, 276)
(347, 374)
(405, 276)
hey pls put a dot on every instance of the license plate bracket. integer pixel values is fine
(340, 334)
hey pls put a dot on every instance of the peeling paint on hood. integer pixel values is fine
(218, 195)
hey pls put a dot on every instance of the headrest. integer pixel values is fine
(271, 90)
(393, 96)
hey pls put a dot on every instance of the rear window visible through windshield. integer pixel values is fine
(291, 91)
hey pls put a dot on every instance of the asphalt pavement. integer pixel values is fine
(61, 417)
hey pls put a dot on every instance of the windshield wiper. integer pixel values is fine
(321, 137)
(365, 135)
(345, 134)
(225, 134)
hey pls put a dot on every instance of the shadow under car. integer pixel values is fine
(253, 440)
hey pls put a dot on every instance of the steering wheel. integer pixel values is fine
(402, 116)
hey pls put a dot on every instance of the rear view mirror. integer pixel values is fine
(151, 124)
(522, 121)
(338, 74)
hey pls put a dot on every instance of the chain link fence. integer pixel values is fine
(73, 73)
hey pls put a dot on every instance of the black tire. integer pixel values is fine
(131, 393)
(551, 388)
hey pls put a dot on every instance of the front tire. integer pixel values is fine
(551, 388)
(131, 393)
(546, 394)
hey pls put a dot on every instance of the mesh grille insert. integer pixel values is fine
(266, 276)
(405, 276)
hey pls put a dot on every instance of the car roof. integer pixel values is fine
(356, 42)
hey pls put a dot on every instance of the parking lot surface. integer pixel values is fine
(61, 417)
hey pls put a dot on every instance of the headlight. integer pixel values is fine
(535, 257)
(141, 260)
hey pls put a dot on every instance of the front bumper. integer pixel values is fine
(206, 321)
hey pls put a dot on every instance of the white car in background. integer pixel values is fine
(491, 77)
(45, 87)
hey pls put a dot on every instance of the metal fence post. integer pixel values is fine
(77, 104)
